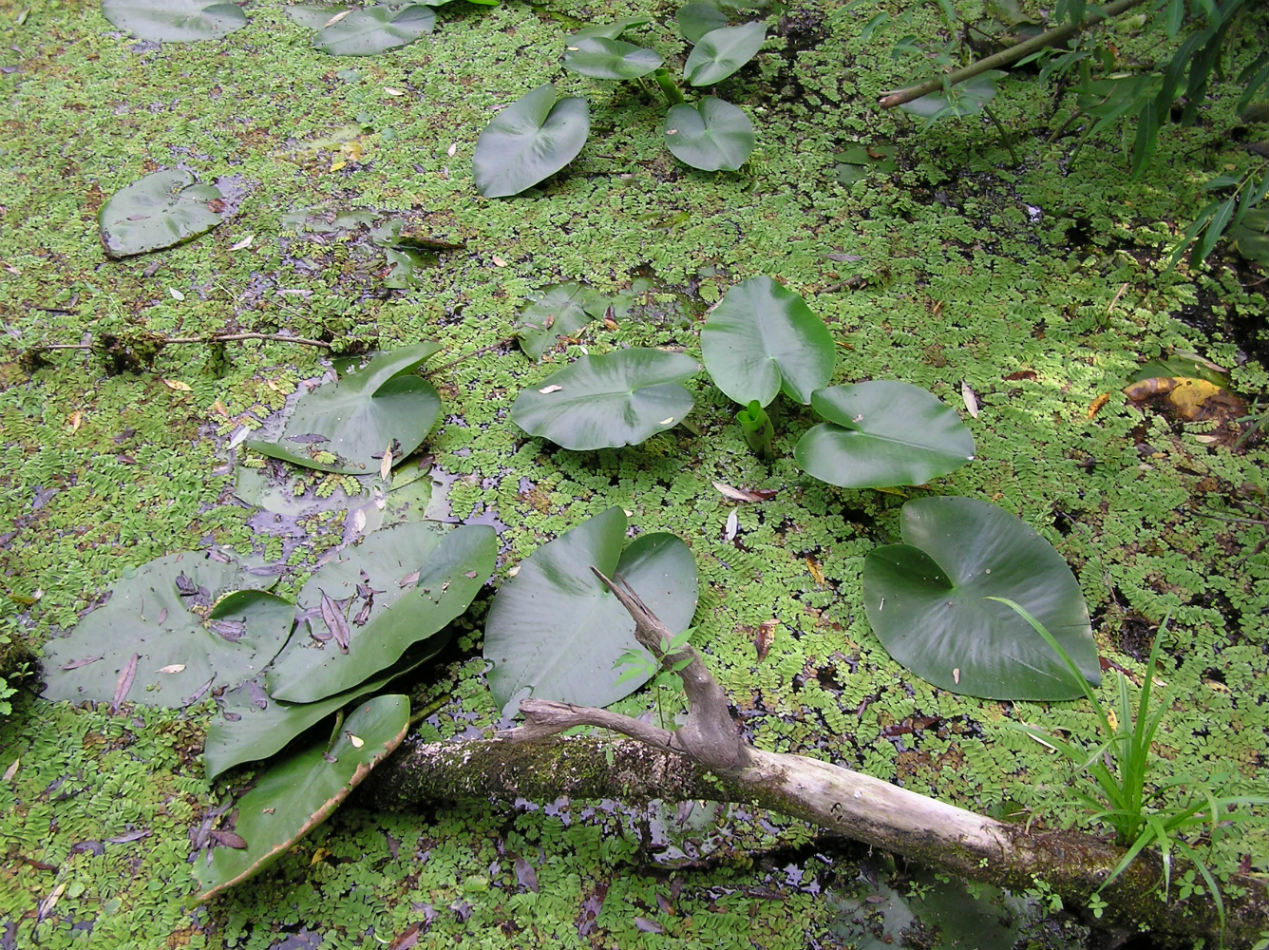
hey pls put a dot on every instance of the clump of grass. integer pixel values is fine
(1116, 787)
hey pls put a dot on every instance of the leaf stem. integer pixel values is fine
(669, 88)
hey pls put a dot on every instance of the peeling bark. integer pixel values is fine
(707, 760)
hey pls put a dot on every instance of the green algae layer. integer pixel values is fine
(1034, 289)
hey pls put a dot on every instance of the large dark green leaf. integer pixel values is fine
(762, 338)
(602, 58)
(147, 644)
(882, 433)
(177, 21)
(160, 210)
(346, 426)
(529, 141)
(297, 795)
(253, 725)
(554, 631)
(361, 611)
(560, 312)
(721, 52)
(927, 602)
(365, 31)
(608, 401)
(697, 19)
(711, 135)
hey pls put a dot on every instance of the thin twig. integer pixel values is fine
(468, 355)
(214, 338)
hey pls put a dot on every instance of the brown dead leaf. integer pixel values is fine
(764, 637)
(745, 494)
(816, 574)
(335, 622)
(176, 384)
(126, 675)
(74, 421)
(1096, 405)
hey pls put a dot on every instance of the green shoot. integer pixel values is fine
(1120, 767)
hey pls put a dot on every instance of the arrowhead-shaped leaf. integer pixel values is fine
(722, 51)
(927, 601)
(160, 210)
(529, 141)
(762, 338)
(297, 795)
(347, 425)
(554, 631)
(621, 398)
(602, 58)
(177, 21)
(398, 586)
(882, 433)
(711, 135)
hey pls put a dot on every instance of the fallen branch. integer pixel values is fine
(707, 759)
(1007, 57)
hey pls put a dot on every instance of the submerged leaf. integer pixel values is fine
(344, 426)
(178, 21)
(160, 210)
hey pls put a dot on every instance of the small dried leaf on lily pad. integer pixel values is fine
(297, 795)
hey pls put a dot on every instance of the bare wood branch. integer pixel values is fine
(1007, 57)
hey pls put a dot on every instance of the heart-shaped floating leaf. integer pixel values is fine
(366, 607)
(697, 19)
(176, 21)
(297, 795)
(560, 312)
(722, 51)
(882, 433)
(365, 31)
(253, 725)
(160, 210)
(346, 426)
(927, 602)
(603, 58)
(711, 135)
(608, 401)
(529, 141)
(147, 645)
(555, 632)
(761, 339)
